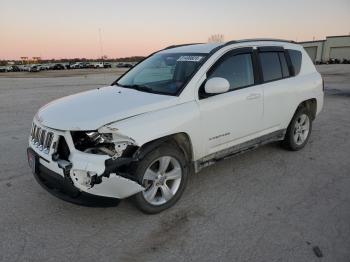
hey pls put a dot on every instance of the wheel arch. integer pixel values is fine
(182, 140)
(310, 105)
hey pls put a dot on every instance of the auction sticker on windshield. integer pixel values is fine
(190, 58)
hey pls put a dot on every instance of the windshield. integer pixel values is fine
(162, 73)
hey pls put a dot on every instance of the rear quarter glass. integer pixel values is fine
(296, 59)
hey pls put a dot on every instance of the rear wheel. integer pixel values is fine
(163, 173)
(299, 130)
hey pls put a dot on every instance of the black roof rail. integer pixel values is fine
(248, 40)
(174, 46)
(237, 41)
(258, 40)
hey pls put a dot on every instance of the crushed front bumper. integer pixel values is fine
(75, 184)
(63, 188)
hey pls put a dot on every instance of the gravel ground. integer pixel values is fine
(265, 205)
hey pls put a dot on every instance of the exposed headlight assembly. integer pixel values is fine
(99, 138)
(112, 144)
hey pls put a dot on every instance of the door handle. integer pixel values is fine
(253, 96)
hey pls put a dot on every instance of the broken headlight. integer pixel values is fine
(99, 138)
(94, 142)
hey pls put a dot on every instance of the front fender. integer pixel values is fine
(183, 118)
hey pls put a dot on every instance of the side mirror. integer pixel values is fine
(216, 85)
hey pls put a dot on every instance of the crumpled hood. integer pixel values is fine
(92, 109)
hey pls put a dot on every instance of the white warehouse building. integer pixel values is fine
(334, 47)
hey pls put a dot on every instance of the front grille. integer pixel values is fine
(41, 138)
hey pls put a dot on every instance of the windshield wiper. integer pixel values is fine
(144, 88)
(138, 87)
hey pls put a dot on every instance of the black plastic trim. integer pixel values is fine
(111, 165)
(270, 49)
(257, 68)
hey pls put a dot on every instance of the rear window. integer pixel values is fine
(295, 57)
(271, 67)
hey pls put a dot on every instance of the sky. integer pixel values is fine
(70, 28)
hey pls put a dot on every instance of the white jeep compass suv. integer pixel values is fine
(181, 109)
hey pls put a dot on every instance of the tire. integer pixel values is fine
(299, 130)
(159, 172)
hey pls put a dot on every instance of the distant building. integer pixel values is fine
(24, 60)
(334, 47)
(36, 59)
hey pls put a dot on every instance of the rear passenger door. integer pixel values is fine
(276, 70)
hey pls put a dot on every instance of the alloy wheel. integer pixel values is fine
(162, 180)
(301, 129)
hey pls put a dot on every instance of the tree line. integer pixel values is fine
(73, 60)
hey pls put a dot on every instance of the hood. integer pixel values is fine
(92, 109)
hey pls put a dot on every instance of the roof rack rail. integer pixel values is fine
(174, 46)
(235, 42)
(258, 40)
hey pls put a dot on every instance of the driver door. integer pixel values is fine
(236, 116)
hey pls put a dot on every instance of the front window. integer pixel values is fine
(236, 69)
(165, 73)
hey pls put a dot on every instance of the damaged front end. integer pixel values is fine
(109, 156)
(86, 162)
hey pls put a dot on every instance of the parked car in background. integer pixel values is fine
(3, 69)
(124, 65)
(24, 68)
(43, 67)
(13, 68)
(107, 65)
(34, 68)
(57, 67)
(77, 65)
(99, 65)
(103, 65)
(183, 108)
(88, 65)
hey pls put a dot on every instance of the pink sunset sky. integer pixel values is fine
(70, 28)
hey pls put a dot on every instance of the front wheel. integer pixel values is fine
(163, 173)
(299, 130)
